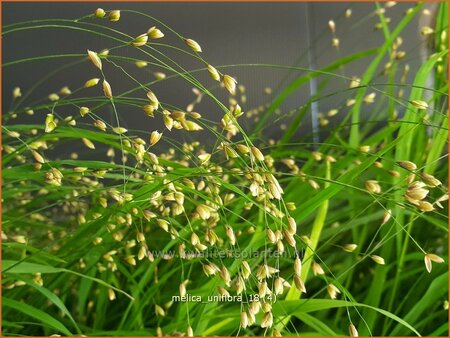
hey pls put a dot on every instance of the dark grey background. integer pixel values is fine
(230, 33)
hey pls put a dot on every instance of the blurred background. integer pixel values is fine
(250, 41)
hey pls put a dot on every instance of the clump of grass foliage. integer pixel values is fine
(342, 237)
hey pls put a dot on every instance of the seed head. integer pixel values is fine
(155, 137)
(230, 234)
(91, 83)
(246, 270)
(426, 31)
(154, 33)
(17, 92)
(139, 41)
(193, 45)
(292, 226)
(111, 294)
(229, 83)
(88, 143)
(373, 187)
(119, 130)
(429, 258)
(38, 157)
(107, 89)
(419, 104)
(314, 184)
(159, 311)
(100, 125)
(407, 165)
(386, 217)
(215, 75)
(299, 284)
(96, 61)
(244, 319)
(333, 291)
(348, 13)
(332, 26)
(352, 330)
(289, 238)
(430, 180)
(114, 16)
(225, 275)
(99, 13)
(257, 154)
(377, 259)
(297, 266)
(267, 320)
(317, 269)
(50, 123)
(425, 206)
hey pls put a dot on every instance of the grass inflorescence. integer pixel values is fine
(109, 230)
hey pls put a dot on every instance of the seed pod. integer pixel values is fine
(107, 89)
(154, 33)
(193, 45)
(213, 73)
(96, 61)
